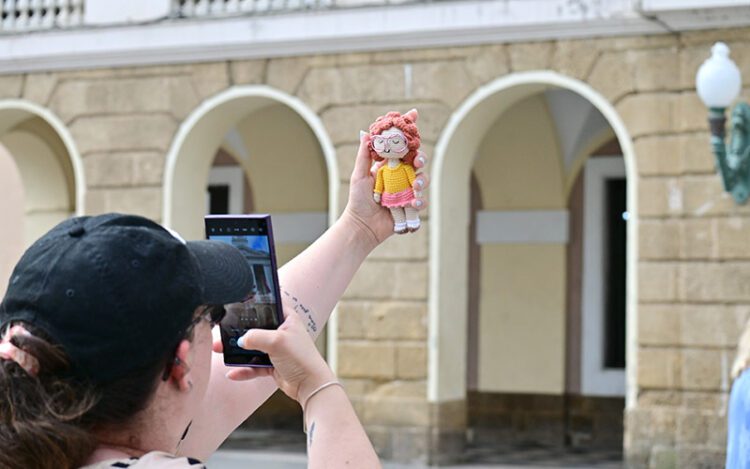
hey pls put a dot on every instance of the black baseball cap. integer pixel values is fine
(118, 291)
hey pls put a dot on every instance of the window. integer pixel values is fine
(218, 196)
(615, 284)
(604, 274)
(226, 190)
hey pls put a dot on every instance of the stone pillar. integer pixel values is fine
(382, 349)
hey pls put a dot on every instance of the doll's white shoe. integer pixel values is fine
(413, 225)
(399, 228)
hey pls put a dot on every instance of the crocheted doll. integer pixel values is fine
(394, 138)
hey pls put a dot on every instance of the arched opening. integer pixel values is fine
(41, 175)
(254, 150)
(274, 137)
(514, 351)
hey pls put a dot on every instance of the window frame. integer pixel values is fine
(596, 380)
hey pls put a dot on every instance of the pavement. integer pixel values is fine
(238, 459)
(227, 459)
(276, 449)
(271, 460)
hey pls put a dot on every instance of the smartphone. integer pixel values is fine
(261, 308)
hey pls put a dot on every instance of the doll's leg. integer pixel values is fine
(412, 219)
(399, 220)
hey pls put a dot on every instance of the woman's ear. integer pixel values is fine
(413, 115)
(180, 370)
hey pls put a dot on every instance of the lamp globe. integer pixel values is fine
(718, 80)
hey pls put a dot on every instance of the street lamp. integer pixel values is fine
(718, 83)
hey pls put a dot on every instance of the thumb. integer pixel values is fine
(362, 164)
(258, 339)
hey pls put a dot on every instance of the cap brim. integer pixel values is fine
(227, 277)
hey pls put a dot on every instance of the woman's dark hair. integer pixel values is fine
(48, 421)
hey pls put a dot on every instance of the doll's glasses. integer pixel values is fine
(394, 143)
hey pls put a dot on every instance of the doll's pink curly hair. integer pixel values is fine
(406, 125)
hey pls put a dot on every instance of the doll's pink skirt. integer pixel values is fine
(399, 199)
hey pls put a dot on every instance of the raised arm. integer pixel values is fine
(311, 284)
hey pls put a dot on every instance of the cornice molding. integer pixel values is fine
(331, 31)
(438, 24)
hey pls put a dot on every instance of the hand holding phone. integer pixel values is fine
(298, 366)
(261, 308)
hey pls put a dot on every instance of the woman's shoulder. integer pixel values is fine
(154, 459)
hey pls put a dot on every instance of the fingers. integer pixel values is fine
(243, 374)
(421, 183)
(419, 203)
(362, 163)
(421, 160)
(217, 346)
(376, 166)
(268, 340)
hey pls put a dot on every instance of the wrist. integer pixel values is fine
(306, 403)
(363, 236)
(308, 386)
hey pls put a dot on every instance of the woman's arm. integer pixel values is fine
(311, 284)
(335, 437)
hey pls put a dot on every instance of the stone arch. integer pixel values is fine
(192, 150)
(16, 111)
(449, 220)
(46, 171)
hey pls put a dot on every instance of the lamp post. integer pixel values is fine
(718, 83)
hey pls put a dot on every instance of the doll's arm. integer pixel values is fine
(379, 185)
(379, 181)
(410, 174)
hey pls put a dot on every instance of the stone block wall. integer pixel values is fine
(693, 259)
(543, 420)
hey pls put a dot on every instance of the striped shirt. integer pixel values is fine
(155, 459)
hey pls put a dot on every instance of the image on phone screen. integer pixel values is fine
(259, 309)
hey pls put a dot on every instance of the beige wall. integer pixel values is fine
(36, 176)
(12, 216)
(522, 321)
(47, 200)
(522, 287)
(286, 166)
(518, 165)
(44, 132)
(287, 251)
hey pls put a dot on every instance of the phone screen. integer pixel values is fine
(252, 235)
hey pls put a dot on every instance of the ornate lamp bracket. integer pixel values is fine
(733, 160)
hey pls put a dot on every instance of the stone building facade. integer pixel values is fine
(119, 139)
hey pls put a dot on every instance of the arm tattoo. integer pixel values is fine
(310, 434)
(305, 312)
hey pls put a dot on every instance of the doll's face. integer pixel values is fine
(390, 144)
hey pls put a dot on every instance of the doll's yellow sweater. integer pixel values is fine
(394, 180)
